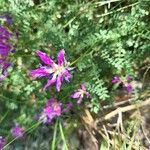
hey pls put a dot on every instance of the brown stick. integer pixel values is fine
(125, 109)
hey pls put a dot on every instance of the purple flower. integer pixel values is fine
(6, 47)
(115, 79)
(128, 87)
(125, 81)
(17, 131)
(56, 72)
(2, 142)
(51, 110)
(80, 93)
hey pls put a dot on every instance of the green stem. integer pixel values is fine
(62, 136)
(4, 116)
(54, 135)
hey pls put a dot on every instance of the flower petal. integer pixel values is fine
(79, 100)
(87, 95)
(49, 83)
(115, 79)
(83, 87)
(76, 95)
(2, 142)
(61, 57)
(45, 58)
(128, 88)
(40, 72)
(67, 75)
(17, 131)
(59, 82)
(4, 49)
(2, 77)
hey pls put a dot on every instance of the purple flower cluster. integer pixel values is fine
(17, 131)
(2, 142)
(125, 81)
(51, 110)
(56, 72)
(80, 93)
(5, 48)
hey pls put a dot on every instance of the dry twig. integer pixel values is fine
(126, 108)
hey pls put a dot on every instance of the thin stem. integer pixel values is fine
(120, 9)
(4, 116)
(62, 136)
(83, 55)
(54, 135)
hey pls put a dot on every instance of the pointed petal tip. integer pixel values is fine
(44, 57)
(61, 57)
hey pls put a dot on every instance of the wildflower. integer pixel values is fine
(2, 142)
(115, 79)
(125, 81)
(79, 94)
(51, 110)
(17, 131)
(128, 87)
(6, 47)
(56, 72)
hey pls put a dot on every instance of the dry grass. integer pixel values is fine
(119, 129)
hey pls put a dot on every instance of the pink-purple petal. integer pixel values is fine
(115, 79)
(79, 100)
(49, 83)
(51, 110)
(61, 57)
(128, 88)
(2, 142)
(83, 87)
(2, 77)
(88, 94)
(67, 75)
(59, 82)
(76, 95)
(45, 58)
(17, 131)
(40, 72)
(4, 49)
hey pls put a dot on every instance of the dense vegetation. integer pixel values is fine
(101, 47)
